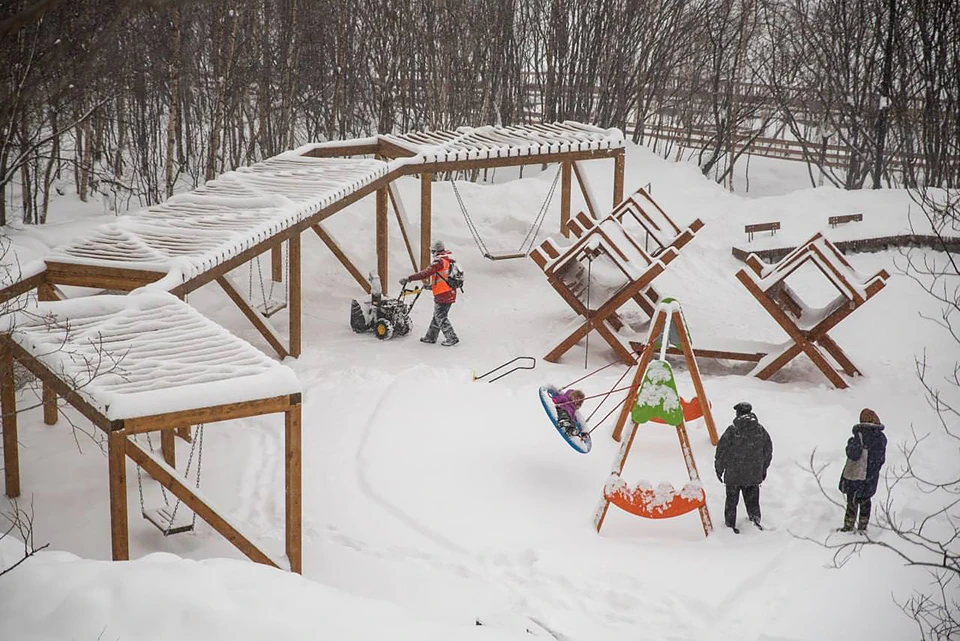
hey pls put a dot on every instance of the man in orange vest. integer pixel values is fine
(444, 296)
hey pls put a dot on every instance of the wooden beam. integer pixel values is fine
(294, 502)
(258, 321)
(39, 370)
(382, 249)
(295, 296)
(276, 263)
(116, 455)
(426, 217)
(99, 276)
(212, 414)
(619, 163)
(694, 370)
(8, 406)
(389, 149)
(565, 199)
(22, 286)
(346, 149)
(173, 482)
(338, 253)
(509, 161)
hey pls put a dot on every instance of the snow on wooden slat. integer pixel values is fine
(156, 355)
(195, 231)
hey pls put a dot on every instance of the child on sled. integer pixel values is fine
(568, 402)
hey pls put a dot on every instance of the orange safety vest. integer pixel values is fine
(439, 285)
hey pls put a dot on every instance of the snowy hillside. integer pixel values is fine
(433, 503)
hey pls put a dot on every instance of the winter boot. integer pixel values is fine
(864, 519)
(431, 341)
(849, 516)
(450, 342)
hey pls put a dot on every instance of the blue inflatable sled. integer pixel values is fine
(580, 442)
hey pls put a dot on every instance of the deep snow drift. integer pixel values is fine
(432, 502)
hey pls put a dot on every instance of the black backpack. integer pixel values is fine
(454, 276)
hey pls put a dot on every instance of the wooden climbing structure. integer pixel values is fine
(653, 398)
(612, 262)
(807, 327)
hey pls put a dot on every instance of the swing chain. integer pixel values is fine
(529, 239)
(197, 445)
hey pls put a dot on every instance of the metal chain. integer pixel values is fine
(198, 436)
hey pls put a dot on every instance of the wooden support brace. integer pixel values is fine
(333, 247)
(565, 199)
(255, 319)
(8, 406)
(174, 482)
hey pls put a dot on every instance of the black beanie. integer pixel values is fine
(742, 408)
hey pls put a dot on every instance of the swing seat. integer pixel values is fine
(581, 442)
(661, 502)
(271, 307)
(505, 256)
(691, 411)
(162, 519)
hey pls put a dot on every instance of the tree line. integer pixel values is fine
(136, 98)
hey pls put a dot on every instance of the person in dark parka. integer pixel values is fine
(860, 478)
(743, 455)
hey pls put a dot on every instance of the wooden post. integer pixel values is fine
(294, 505)
(565, 198)
(8, 405)
(45, 292)
(619, 162)
(382, 256)
(116, 454)
(294, 294)
(426, 218)
(658, 322)
(276, 263)
(168, 447)
(694, 370)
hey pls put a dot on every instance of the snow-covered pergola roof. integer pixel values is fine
(194, 232)
(146, 354)
(471, 143)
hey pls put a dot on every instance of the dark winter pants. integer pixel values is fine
(440, 323)
(751, 498)
(854, 502)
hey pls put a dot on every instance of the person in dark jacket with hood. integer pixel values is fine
(743, 456)
(866, 453)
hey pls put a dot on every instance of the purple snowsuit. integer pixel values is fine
(566, 406)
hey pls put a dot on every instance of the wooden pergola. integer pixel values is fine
(145, 363)
(198, 238)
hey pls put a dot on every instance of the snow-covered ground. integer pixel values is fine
(433, 503)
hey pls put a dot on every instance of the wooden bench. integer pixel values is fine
(848, 218)
(770, 227)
